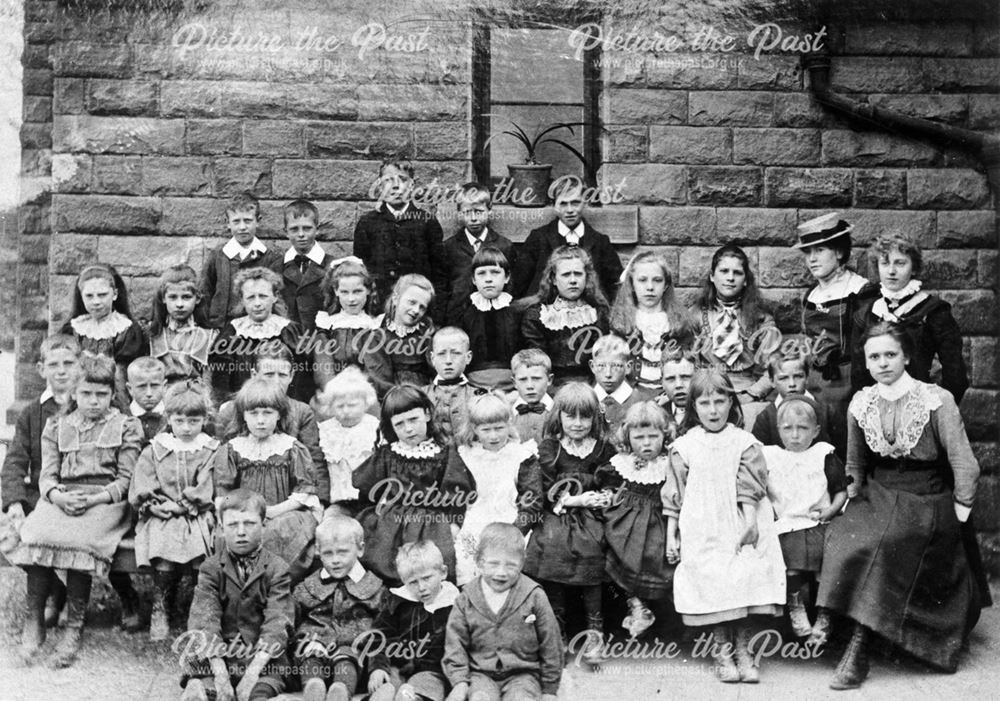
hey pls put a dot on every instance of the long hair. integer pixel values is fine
(575, 399)
(259, 393)
(592, 294)
(348, 268)
(752, 308)
(181, 276)
(269, 276)
(402, 285)
(709, 381)
(100, 271)
(626, 301)
(401, 399)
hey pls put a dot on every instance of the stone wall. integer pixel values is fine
(144, 134)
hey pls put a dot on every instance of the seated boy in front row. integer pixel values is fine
(516, 655)
(241, 613)
(789, 373)
(413, 623)
(336, 605)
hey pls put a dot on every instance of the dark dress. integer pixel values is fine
(494, 337)
(568, 548)
(391, 359)
(408, 494)
(567, 335)
(895, 561)
(235, 350)
(635, 528)
(337, 343)
(929, 322)
(115, 336)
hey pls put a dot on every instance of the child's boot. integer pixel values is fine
(33, 632)
(593, 652)
(639, 618)
(338, 692)
(745, 663)
(183, 592)
(722, 654)
(821, 630)
(77, 596)
(853, 666)
(159, 626)
(129, 597)
(55, 604)
(797, 613)
(314, 690)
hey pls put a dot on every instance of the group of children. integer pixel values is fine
(328, 474)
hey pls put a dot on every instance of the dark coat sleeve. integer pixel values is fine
(16, 472)
(946, 338)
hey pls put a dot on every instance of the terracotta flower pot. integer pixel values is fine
(529, 184)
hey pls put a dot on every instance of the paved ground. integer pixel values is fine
(115, 665)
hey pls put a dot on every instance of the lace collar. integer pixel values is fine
(652, 324)
(428, 449)
(911, 288)
(253, 449)
(269, 328)
(918, 401)
(400, 330)
(484, 305)
(579, 451)
(513, 452)
(108, 327)
(445, 598)
(185, 326)
(563, 315)
(640, 472)
(172, 444)
(341, 320)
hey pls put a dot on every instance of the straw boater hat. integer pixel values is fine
(822, 229)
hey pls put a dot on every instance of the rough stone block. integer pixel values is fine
(125, 97)
(755, 226)
(951, 188)
(987, 39)
(677, 226)
(67, 252)
(127, 135)
(193, 216)
(980, 409)
(36, 163)
(418, 103)
(988, 268)
(272, 137)
(260, 100)
(782, 267)
(149, 255)
(983, 366)
(973, 229)
(808, 187)
(864, 148)
(691, 71)
(235, 175)
(431, 177)
(950, 269)
(639, 106)
(731, 109)
(880, 188)
(209, 137)
(802, 110)
(974, 310)
(725, 185)
(36, 136)
(985, 513)
(118, 175)
(785, 305)
(648, 183)
(176, 176)
(984, 111)
(36, 56)
(353, 140)
(794, 147)
(337, 221)
(961, 74)
(988, 455)
(942, 38)
(71, 172)
(771, 73)
(106, 214)
(86, 60)
(625, 144)
(877, 74)
(443, 140)
(36, 109)
(327, 178)
(68, 96)
(709, 145)
(950, 109)
(37, 81)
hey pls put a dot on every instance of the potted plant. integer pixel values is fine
(530, 180)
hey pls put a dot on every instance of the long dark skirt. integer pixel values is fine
(895, 563)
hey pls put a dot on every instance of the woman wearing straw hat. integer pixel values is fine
(827, 310)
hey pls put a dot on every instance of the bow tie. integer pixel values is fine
(537, 408)
(448, 383)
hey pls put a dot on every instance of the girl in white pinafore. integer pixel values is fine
(720, 526)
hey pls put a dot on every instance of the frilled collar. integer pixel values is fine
(315, 254)
(341, 320)
(269, 328)
(232, 249)
(400, 330)
(445, 598)
(502, 301)
(428, 449)
(254, 449)
(579, 451)
(635, 470)
(911, 288)
(164, 443)
(652, 324)
(897, 389)
(108, 327)
(565, 315)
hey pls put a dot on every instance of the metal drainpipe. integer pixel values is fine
(985, 147)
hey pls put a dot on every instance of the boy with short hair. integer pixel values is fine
(491, 320)
(242, 250)
(473, 202)
(304, 264)
(335, 606)
(676, 370)
(789, 373)
(398, 238)
(414, 618)
(147, 383)
(569, 228)
(531, 370)
(274, 362)
(611, 364)
(451, 390)
(505, 606)
(241, 613)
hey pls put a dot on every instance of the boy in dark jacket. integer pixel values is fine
(503, 638)
(241, 613)
(407, 644)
